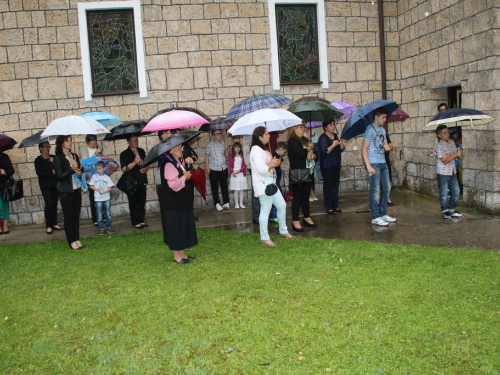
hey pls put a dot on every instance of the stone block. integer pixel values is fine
(200, 77)
(357, 54)
(334, 9)
(178, 60)
(68, 34)
(356, 24)
(47, 35)
(75, 87)
(153, 29)
(219, 26)
(259, 25)
(152, 13)
(167, 45)
(38, 19)
(227, 41)
(241, 58)
(33, 120)
(211, 108)
(233, 76)
(177, 28)
(211, 11)
(365, 71)
(199, 27)
(258, 75)
(55, 51)
(69, 67)
(228, 10)
(221, 58)
(251, 10)
(23, 19)
(364, 39)
(56, 18)
(202, 58)
(256, 41)
(209, 42)
(214, 77)
(11, 91)
(21, 70)
(239, 25)
(11, 37)
(7, 72)
(52, 88)
(180, 79)
(171, 12)
(340, 39)
(157, 79)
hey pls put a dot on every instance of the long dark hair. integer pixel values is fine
(257, 133)
(233, 152)
(59, 142)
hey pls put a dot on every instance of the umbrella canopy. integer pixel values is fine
(35, 139)
(459, 117)
(169, 143)
(273, 119)
(397, 115)
(174, 119)
(314, 124)
(346, 108)
(71, 125)
(363, 117)
(315, 111)
(104, 118)
(126, 128)
(89, 165)
(6, 142)
(256, 102)
(189, 109)
(199, 180)
(220, 123)
(312, 99)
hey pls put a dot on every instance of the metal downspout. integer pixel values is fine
(381, 32)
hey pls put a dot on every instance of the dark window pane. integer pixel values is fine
(112, 51)
(297, 43)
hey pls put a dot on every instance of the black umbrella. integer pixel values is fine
(35, 139)
(169, 143)
(194, 110)
(220, 123)
(126, 128)
(6, 142)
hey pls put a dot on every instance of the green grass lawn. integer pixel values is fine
(309, 306)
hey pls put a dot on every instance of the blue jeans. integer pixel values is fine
(379, 183)
(445, 183)
(266, 202)
(106, 206)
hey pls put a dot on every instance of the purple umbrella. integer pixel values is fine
(314, 124)
(346, 108)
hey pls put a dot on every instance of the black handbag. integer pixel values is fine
(127, 184)
(271, 189)
(299, 176)
(13, 190)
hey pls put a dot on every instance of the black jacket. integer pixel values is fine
(297, 154)
(5, 164)
(45, 172)
(64, 173)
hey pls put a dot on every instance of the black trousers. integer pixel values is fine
(93, 212)
(300, 200)
(71, 204)
(137, 205)
(219, 178)
(50, 197)
(162, 213)
(331, 183)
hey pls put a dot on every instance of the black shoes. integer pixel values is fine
(182, 261)
(306, 224)
(297, 229)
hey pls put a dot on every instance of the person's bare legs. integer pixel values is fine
(179, 255)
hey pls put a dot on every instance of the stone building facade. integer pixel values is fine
(212, 54)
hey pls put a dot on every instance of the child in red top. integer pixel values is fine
(238, 172)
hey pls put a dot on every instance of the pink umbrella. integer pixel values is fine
(397, 115)
(174, 119)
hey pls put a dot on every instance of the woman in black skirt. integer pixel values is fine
(48, 186)
(177, 198)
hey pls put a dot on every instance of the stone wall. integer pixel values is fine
(448, 43)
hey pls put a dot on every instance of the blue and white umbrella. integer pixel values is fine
(363, 117)
(459, 117)
(256, 102)
(104, 118)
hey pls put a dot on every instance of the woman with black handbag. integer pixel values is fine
(131, 161)
(68, 173)
(47, 180)
(299, 151)
(264, 185)
(6, 172)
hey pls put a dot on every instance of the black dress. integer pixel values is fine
(48, 186)
(297, 155)
(136, 201)
(179, 217)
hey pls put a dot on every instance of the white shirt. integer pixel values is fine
(259, 159)
(102, 182)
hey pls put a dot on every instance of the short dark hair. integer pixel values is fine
(326, 123)
(281, 145)
(257, 133)
(442, 105)
(40, 145)
(440, 128)
(100, 164)
(380, 111)
(129, 136)
(90, 137)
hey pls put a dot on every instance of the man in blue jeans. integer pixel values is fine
(373, 150)
(446, 171)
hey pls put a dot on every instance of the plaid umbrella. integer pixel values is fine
(121, 131)
(35, 139)
(256, 102)
(6, 142)
(347, 109)
(220, 123)
(314, 111)
(104, 118)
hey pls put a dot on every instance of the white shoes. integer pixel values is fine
(380, 222)
(389, 219)
(226, 206)
(218, 207)
(241, 206)
(236, 206)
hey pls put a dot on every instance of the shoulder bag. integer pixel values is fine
(127, 184)
(13, 190)
(299, 176)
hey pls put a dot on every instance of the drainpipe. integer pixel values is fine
(381, 33)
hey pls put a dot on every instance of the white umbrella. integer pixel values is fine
(71, 125)
(459, 117)
(273, 119)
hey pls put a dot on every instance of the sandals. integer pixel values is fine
(268, 243)
(289, 236)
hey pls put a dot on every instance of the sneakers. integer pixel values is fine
(236, 206)
(226, 206)
(241, 206)
(273, 219)
(218, 207)
(389, 219)
(101, 232)
(111, 231)
(380, 221)
(455, 214)
(446, 215)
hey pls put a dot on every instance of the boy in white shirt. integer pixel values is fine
(102, 185)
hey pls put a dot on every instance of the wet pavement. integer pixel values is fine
(419, 223)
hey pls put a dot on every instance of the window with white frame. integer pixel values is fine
(298, 42)
(112, 48)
